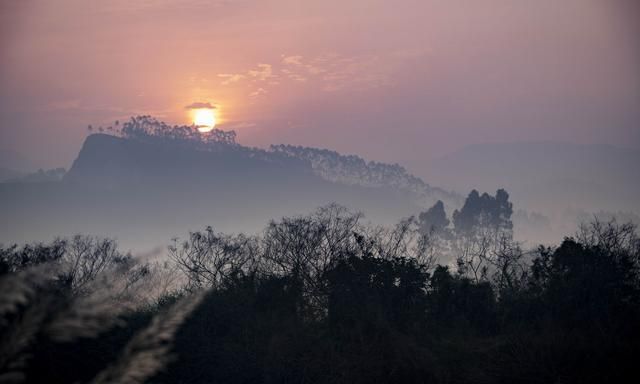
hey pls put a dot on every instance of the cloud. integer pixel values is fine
(329, 72)
(333, 72)
(292, 60)
(200, 105)
(263, 72)
(230, 77)
(296, 77)
(258, 92)
(239, 125)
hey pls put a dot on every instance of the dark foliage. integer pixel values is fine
(434, 219)
(484, 210)
(324, 299)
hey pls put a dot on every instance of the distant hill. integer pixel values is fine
(151, 182)
(561, 180)
(40, 176)
(9, 174)
(581, 175)
(353, 170)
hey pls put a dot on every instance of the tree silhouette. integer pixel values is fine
(434, 219)
(324, 298)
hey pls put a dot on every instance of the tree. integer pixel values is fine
(484, 211)
(459, 302)
(305, 247)
(483, 232)
(208, 258)
(80, 264)
(379, 291)
(434, 219)
(592, 279)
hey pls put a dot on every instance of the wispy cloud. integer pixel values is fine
(263, 73)
(332, 72)
(292, 60)
(329, 72)
(258, 92)
(200, 105)
(230, 78)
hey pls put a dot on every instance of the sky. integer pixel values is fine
(400, 81)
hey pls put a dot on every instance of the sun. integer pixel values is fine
(204, 118)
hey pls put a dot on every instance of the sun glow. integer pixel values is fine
(204, 118)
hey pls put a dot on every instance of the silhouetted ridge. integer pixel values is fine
(147, 181)
(354, 170)
(175, 142)
(111, 161)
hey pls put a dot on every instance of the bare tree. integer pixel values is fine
(405, 239)
(86, 257)
(610, 235)
(207, 257)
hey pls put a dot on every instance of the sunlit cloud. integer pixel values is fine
(200, 105)
(296, 77)
(333, 72)
(264, 72)
(239, 125)
(329, 72)
(292, 60)
(258, 92)
(230, 78)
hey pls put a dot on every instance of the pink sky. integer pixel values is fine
(399, 81)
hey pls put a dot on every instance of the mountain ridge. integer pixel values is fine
(146, 189)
